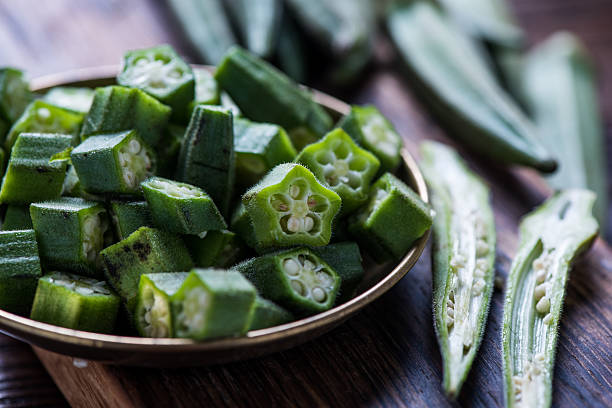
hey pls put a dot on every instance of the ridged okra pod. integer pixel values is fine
(258, 23)
(15, 95)
(168, 150)
(128, 216)
(17, 217)
(463, 259)
(71, 98)
(268, 314)
(551, 237)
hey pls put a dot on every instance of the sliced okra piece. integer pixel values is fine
(243, 227)
(228, 103)
(342, 166)
(219, 249)
(213, 303)
(463, 259)
(19, 270)
(259, 147)
(168, 150)
(375, 226)
(551, 238)
(153, 316)
(30, 176)
(15, 94)
(75, 302)
(371, 130)
(181, 208)
(207, 91)
(291, 207)
(71, 232)
(296, 279)
(118, 108)
(345, 259)
(146, 250)
(72, 98)
(128, 216)
(17, 217)
(268, 314)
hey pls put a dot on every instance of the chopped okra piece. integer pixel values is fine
(259, 147)
(118, 108)
(213, 303)
(113, 164)
(219, 249)
(19, 270)
(160, 72)
(30, 176)
(129, 216)
(153, 316)
(17, 217)
(342, 166)
(168, 150)
(71, 232)
(207, 155)
(15, 94)
(147, 250)
(243, 227)
(291, 207)
(268, 314)
(42, 117)
(345, 259)
(296, 279)
(72, 98)
(181, 208)
(206, 89)
(371, 130)
(392, 220)
(75, 302)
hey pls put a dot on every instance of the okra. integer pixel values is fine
(75, 302)
(19, 270)
(463, 259)
(371, 130)
(258, 23)
(206, 89)
(30, 176)
(15, 94)
(168, 150)
(213, 303)
(114, 163)
(291, 50)
(127, 217)
(561, 90)
(181, 208)
(375, 226)
(268, 314)
(17, 217)
(265, 94)
(242, 225)
(228, 103)
(291, 207)
(342, 166)
(117, 108)
(71, 98)
(451, 76)
(71, 232)
(551, 237)
(153, 316)
(345, 259)
(219, 249)
(296, 279)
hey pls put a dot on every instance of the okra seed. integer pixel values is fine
(450, 312)
(482, 264)
(308, 224)
(298, 287)
(279, 202)
(291, 267)
(43, 113)
(308, 265)
(478, 286)
(294, 191)
(541, 276)
(543, 305)
(540, 291)
(324, 278)
(481, 247)
(317, 203)
(134, 146)
(547, 319)
(449, 322)
(319, 294)
(294, 224)
(84, 290)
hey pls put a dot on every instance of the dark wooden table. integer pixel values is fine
(386, 355)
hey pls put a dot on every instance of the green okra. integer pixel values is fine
(291, 50)
(75, 302)
(375, 226)
(452, 78)
(219, 249)
(463, 259)
(265, 94)
(113, 163)
(243, 227)
(296, 279)
(550, 239)
(17, 217)
(345, 259)
(71, 98)
(207, 91)
(258, 23)
(561, 91)
(128, 216)
(71, 232)
(289, 206)
(213, 303)
(168, 150)
(15, 94)
(30, 175)
(268, 314)
(19, 270)
(117, 108)
(341, 166)
(153, 315)
(228, 103)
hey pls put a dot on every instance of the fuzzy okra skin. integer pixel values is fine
(128, 216)
(345, 259)
(550, 239)
(71, 98)
(463, 259)
(15, 94)
(219, 249)
(17, 217)
(268, 314)
(75, 302)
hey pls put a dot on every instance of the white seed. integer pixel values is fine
(450, 312)
(147, 317)
(482, 248)
(482, 265)
(292, 268)
(541, 276)
(540, 291)
(308, 224)
(130, 178)
(294, 224)
(449, 321)
(319, 294)
(298, 287)
(309, 266)
(123, 159)
(479, 285)
(324, 278)
(202, 234)
(543, 305)
(84, 290)
(294, 191)
(43, 113)
(134, 146)
(539, 358)
(547, 319)
(457, 261)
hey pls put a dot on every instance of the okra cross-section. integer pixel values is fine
(291, 207)
(113, 164)
(206, 89)
(342, 166)
(181, 208)
(463, 259)
(551, 237)
(71, 98)
(75, 302)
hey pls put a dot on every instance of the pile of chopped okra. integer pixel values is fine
(191, 205)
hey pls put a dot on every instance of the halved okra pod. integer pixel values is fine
(19, 270)
(345, 259)
(71, 232)
(219, 249)
(181, 208)
(113, 164)
(391, 221)
(17, 217)
(72, 98)
(296, 279)
(15, 95)
(213, 303)
(342, 166)
(268, 314)
(551, 237)
(75, 302)
(30, 176)
(128, 216)
(291, 207)
(463, 259)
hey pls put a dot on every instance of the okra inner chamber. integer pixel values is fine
(95, 234)
(175, 189)
(156, 71)
(298, 209)
(156, 316)
(135, 162)
(80, 284)
(308, 278)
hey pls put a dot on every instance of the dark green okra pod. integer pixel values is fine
(268, 314)
(17, 217)
(291, 50)
(241, 224)
(168, 150)
(15, 95)
(219, 249)
(258, 22)
(128, 216)
(71, 98)
(345, 259)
